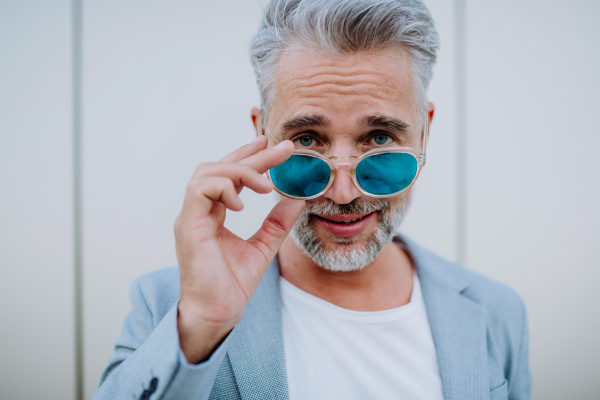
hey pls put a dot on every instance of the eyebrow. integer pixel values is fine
(392, 124)
(306, 121)
(303, 121)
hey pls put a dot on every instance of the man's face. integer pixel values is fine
(344, 106)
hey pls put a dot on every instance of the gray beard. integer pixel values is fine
(348, 259)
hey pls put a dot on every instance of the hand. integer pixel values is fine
(219, 270)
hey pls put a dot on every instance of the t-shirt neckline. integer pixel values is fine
(320, 305)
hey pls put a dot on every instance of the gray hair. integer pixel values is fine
(344, 27)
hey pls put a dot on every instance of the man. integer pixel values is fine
(341, 308)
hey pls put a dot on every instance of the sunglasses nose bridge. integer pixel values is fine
(342, 158)
(343, 187)
(349, 170)
(337, 161)
(348, 166)
(342, 163)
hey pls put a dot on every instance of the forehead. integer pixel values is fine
(344, 88)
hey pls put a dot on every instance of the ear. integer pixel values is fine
(430, 112)
(255, 114)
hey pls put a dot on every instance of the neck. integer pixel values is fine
(385, 283)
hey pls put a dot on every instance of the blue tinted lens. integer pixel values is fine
(301, 176)
(386, 173)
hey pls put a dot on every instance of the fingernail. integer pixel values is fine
(256, 139)
(239, 202)
(265, 179)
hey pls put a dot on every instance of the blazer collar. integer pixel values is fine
(458, 325)
(433, 267)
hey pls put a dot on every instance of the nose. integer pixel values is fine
(342, 190)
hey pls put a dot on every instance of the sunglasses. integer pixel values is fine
(379, 173)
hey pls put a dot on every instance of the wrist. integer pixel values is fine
(200, 336)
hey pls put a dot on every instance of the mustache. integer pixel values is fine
(357, 206)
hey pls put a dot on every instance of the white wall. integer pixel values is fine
(36, 254)
(168, 85)
(533, 221)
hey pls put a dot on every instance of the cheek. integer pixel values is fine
(402, 200)
(399, 199)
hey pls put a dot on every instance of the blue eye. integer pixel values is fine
(305, 141)
(381, 139)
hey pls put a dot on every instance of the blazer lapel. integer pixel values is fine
(458, 326)
(256, 350)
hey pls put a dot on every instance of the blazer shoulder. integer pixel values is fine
(503, 303)
(475, 286)
(505, 308)
(159, 290)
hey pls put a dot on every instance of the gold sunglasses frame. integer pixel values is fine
(353, 161)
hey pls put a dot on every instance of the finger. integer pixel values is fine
(217, 189)
(276, 227)
(270, 158)
(241, 175)
(258, 144)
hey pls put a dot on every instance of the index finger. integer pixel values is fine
(251, 148)
(269, 158)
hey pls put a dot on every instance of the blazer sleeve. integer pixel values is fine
(520, 382)
(148, 362)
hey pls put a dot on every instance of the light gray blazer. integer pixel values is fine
(479, 329)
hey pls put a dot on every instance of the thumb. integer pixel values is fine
(276, 227)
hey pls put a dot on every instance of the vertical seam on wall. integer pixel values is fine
(77, 195)
(461, 129)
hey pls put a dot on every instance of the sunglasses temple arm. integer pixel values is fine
(422, 156)
(259, 125)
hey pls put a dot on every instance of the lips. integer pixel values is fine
(344, 225)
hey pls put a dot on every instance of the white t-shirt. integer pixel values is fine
(336, 353)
